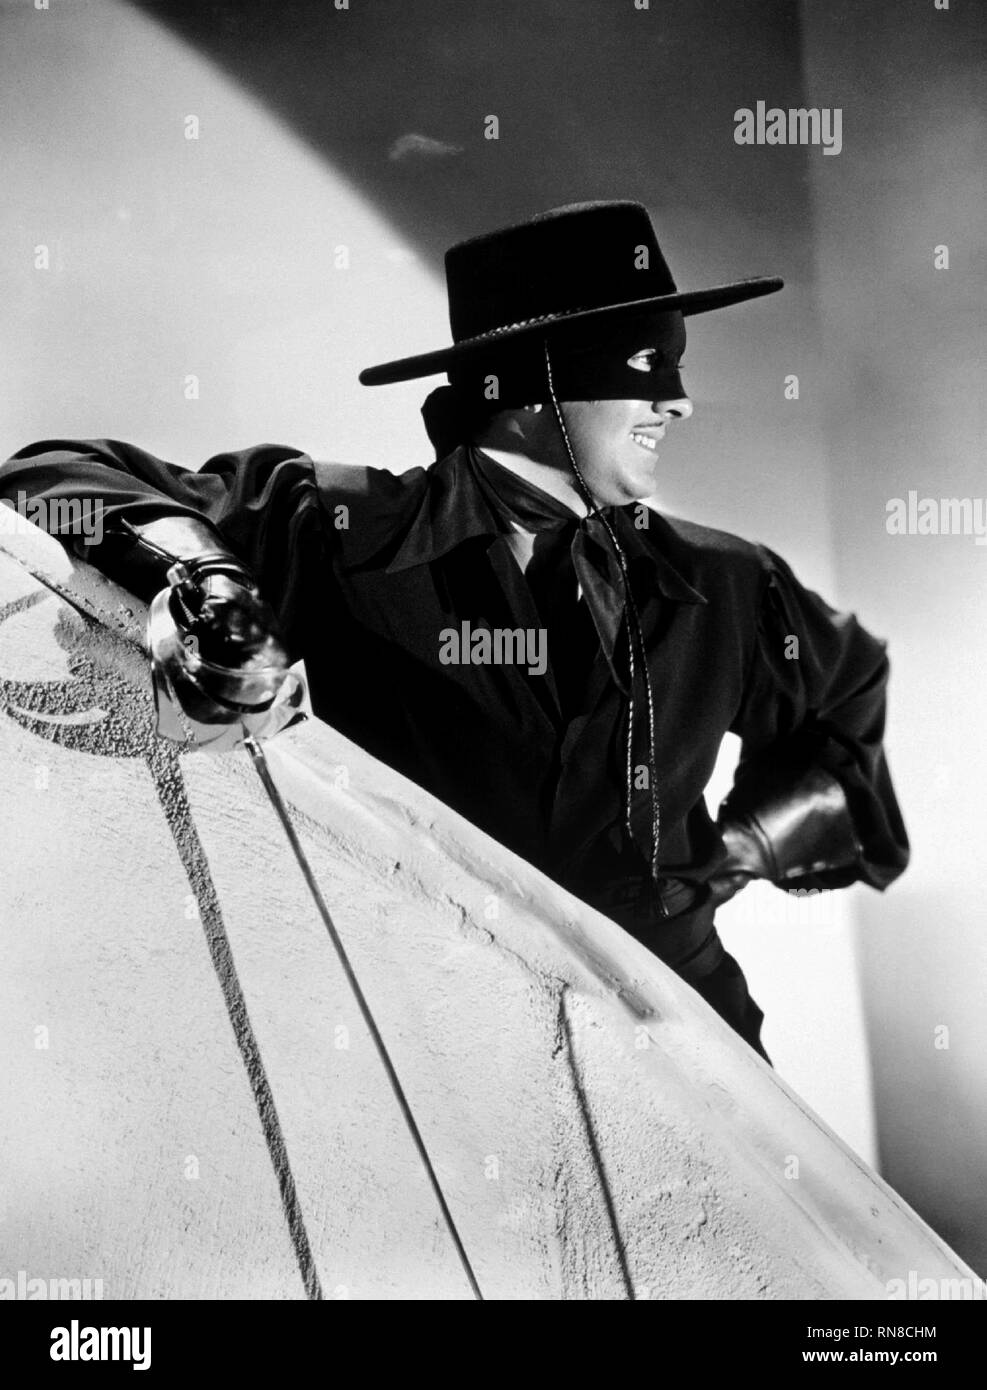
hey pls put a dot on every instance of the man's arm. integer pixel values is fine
(258, 506)
(812, 804)
(128, 496)
(246, 526)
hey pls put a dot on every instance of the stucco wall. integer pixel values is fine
(192, 1105)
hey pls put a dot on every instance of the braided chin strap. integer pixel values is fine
(635, 639)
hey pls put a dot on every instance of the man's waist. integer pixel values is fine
(670, 897)
(684, 935)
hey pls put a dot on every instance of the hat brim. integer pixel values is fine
(686, 302)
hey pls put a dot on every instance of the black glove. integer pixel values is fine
(217, 655)
(746, 859)
(233, 651)
(786, 825)
(225, 621)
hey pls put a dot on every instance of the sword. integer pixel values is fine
(275, 698)
(264, 773)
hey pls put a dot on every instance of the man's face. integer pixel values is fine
(618, 397)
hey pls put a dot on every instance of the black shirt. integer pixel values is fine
(367, 570)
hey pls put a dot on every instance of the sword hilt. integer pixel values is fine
(209, 705)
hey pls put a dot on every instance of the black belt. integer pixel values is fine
(686, 938)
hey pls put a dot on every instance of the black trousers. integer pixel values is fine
(688, 942)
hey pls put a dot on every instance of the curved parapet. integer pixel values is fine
(194, 1108)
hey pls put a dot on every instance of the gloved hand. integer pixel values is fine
(747, 858)
(218, 654)
(223, 623)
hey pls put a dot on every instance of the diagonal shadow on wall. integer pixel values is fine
(593, 100)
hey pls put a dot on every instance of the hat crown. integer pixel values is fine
(569, 259)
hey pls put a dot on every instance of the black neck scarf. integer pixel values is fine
(595, 556)
(565, 545)
(573, 548)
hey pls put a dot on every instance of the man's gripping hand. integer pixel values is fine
(224, 620)
(225, 657)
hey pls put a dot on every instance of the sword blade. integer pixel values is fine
(264, 772)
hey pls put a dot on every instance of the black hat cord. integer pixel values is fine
(635, 637)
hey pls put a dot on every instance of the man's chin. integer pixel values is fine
(624, 485)
(635, 489)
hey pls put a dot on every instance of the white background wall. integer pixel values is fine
(904, 397)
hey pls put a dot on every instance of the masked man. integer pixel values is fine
(512, 628)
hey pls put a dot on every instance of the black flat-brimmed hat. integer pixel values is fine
(567, 265)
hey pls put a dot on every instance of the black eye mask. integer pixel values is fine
(590, 362)
(595, 370)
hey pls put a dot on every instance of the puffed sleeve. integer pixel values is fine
(261, 503)
(812, 780)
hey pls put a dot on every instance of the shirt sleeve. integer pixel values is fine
(812, 773)
(263, 503)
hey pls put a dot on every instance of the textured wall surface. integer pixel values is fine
(193, 1107)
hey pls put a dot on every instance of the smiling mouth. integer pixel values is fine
(646, 441)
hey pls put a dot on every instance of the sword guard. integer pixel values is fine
(188, 707)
